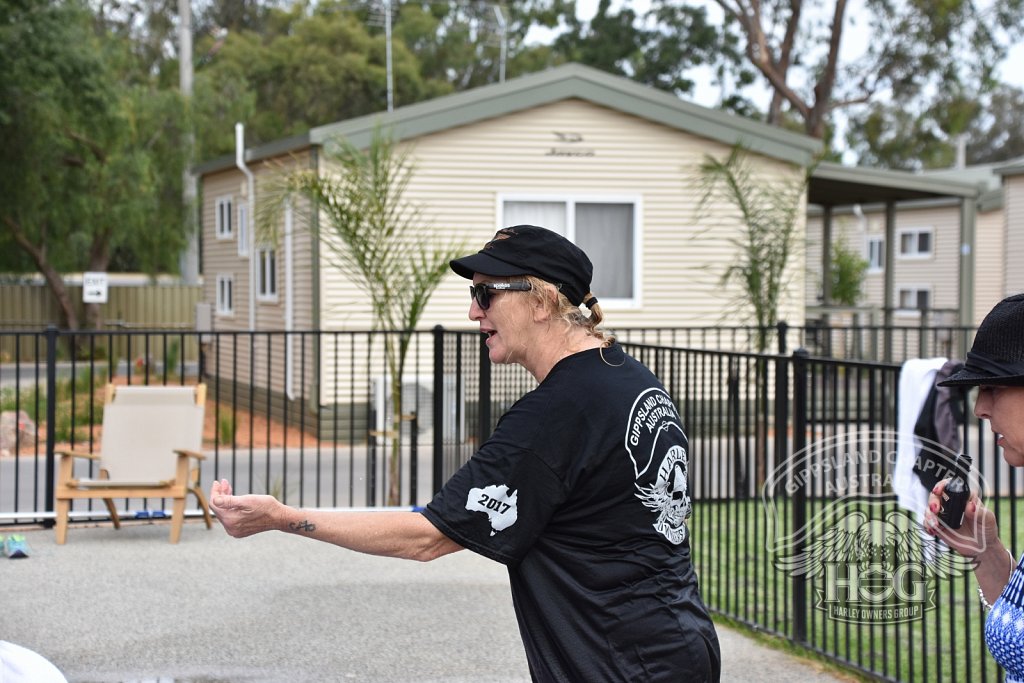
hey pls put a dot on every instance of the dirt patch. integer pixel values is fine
(220, 423)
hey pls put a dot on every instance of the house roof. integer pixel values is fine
(838, 185)
(1012, 167)
(570, 81)
(831, 184)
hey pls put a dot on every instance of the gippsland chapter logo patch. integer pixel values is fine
(654, 434)
(500, 506)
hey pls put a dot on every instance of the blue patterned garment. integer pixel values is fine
(1004, 628)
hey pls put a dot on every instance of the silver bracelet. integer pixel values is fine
(981, 593)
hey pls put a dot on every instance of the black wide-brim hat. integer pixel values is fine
(997, 356)
(530, 250)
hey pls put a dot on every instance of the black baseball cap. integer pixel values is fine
(530, 250)
(996, 357)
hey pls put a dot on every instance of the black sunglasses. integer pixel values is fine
(481, 293)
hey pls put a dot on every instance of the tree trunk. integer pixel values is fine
(54, 280)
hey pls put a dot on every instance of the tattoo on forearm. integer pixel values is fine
(304, 525)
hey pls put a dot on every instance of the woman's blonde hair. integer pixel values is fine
(562, 309)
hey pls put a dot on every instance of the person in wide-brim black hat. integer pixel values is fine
(997, 356)
(995, 364)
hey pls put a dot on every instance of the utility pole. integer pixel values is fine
(385, 21)
(503, 30)
(387, 34)
(189, 262)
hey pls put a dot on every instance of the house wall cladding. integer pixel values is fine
(223, 258)
(462, 175)
(1013, 186)
(989, 262)
(937, 272)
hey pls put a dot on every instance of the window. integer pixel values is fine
(876, 254)
(225, 295)
(266, 276)
(243, 229)
(915, 243)
(224, 211)
(913, 298)
(606, 230)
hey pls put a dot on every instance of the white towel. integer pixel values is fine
(916, 379)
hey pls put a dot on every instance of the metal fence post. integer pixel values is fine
(799, 498)
(782, 329)
(439, 422)
(52, 339)
(483, 428)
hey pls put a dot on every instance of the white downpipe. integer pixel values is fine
(250, 191)
(289, 304)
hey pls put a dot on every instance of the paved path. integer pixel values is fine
(126, 606)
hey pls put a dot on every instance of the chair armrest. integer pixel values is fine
(78, 454)
(190, 453)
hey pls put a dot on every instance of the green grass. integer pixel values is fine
(740, 582)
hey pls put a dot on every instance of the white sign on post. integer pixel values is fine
(94, 288)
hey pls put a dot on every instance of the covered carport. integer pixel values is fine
(834, 186)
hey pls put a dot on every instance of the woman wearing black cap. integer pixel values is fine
(995, 365)
(581, 491)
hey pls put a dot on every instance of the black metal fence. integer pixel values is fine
(866, 342)
(788, 453)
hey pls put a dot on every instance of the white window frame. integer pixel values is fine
(266, 262)
(875, 266)
(243, 229)
(915, 255)
(916, 289)
(225, 295)
(571, 199)
(224, 217)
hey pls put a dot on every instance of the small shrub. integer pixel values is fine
(226, 429)
(172, 355)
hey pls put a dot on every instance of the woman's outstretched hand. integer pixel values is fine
(244, 515)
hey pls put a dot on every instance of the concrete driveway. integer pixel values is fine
(126, 606)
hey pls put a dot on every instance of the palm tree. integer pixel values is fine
(379, 240)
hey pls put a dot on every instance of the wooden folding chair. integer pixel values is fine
(150, 436)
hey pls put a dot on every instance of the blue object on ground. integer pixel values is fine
(15, 547)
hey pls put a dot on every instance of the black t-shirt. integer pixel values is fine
(582, 492)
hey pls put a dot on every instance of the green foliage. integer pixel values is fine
(172, 356)
(227, 427)
(91, 165)
(659, 49)
(848, 271)
(79, 404)
(769, 212)
(304, 69)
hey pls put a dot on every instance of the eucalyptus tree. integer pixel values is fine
(90, 168)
